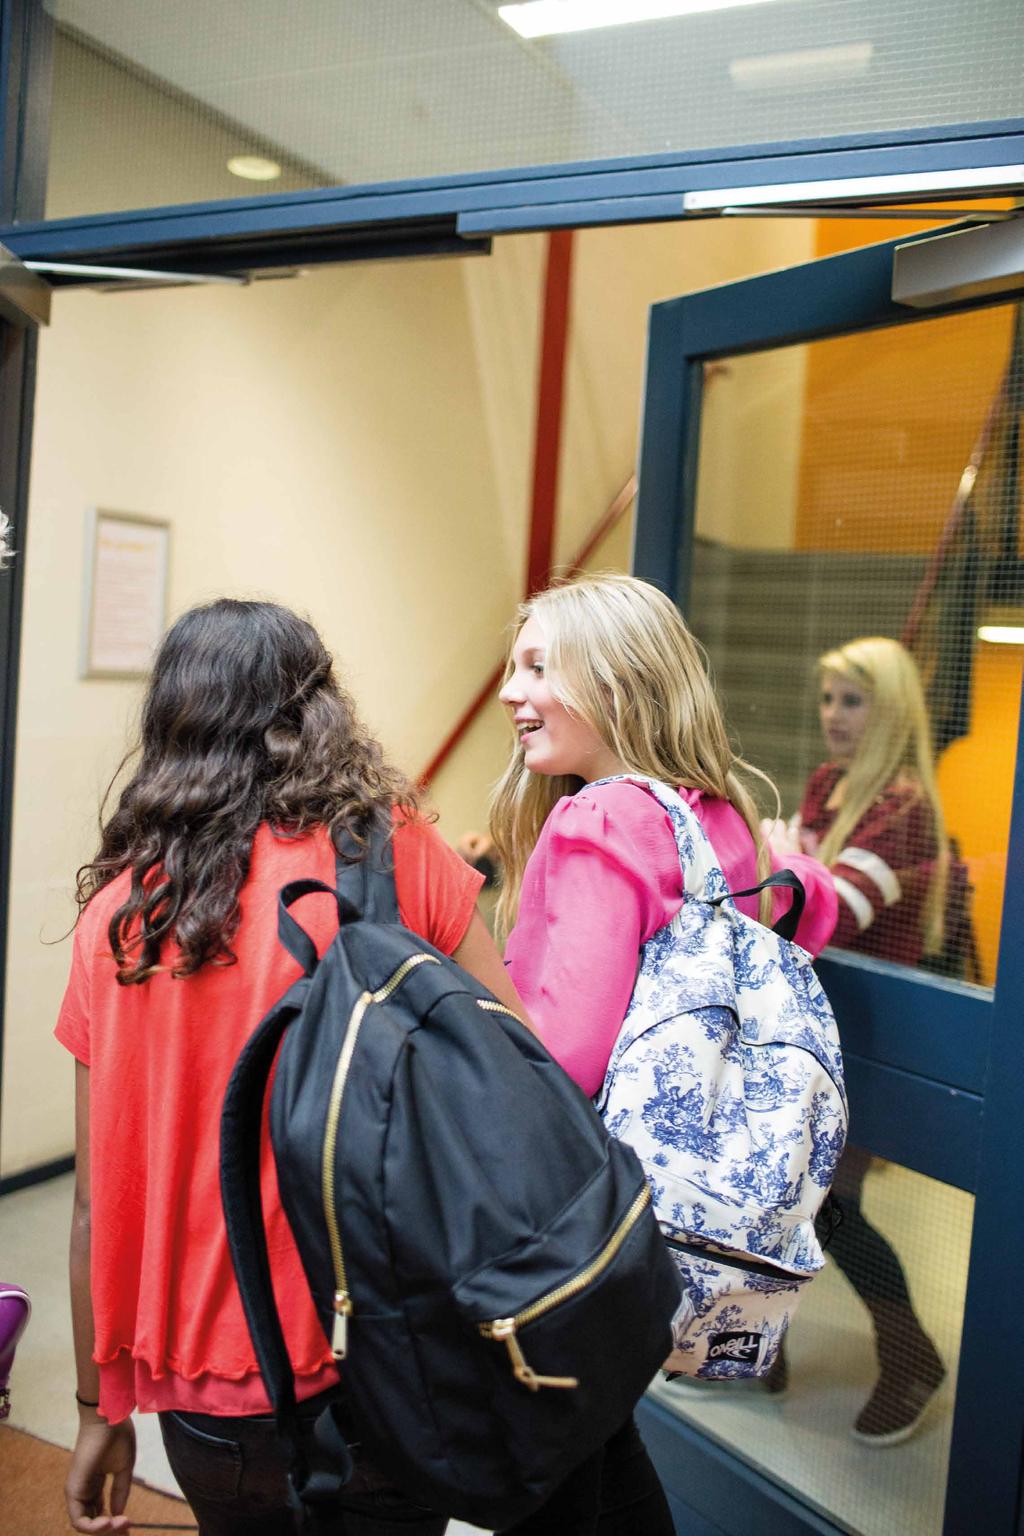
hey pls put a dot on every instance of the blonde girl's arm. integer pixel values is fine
(478, 954)
(603, 877)
(101, 1450)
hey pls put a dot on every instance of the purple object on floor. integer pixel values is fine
(15, 1310)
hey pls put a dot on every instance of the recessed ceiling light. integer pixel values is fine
(254, 168)
(543, 18)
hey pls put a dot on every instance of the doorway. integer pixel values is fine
(821, 464)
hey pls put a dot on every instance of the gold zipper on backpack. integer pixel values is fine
(342, 1299)
(504, 1328)
(493, 1007)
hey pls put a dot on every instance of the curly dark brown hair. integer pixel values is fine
(243, 722)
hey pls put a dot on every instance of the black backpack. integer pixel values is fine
(482, 1254)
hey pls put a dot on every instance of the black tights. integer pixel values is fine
(874, 1270)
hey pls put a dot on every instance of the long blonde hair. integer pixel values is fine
(896, 744)
(620, 657)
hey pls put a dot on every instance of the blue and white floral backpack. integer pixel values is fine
(727, 1080)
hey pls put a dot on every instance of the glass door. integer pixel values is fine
(24, 305)
(830, 488)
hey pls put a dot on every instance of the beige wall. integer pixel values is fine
(346, 443)
(754, 412)
(617, 274)
(752, 423)
(356, 442)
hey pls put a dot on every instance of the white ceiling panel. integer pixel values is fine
(380, 90)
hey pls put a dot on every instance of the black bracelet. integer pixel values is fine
(83, 1402)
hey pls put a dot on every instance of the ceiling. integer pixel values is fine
(379, 90)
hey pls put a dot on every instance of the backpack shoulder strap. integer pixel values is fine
(241, 1195)
(316, 1478)
(789, 922)
(365, 875)
(240, 1138)
(702, 874)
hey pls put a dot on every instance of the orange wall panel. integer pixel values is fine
(975, 777)
(890, 417)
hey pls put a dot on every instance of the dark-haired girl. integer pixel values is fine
(253, 766)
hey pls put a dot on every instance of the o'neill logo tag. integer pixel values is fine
(735, 1346)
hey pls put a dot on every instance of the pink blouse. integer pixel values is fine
(602, 879)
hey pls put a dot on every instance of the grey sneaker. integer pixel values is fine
(898, 1404)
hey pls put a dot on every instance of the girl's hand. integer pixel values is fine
(808, 842)
(781, 838)
(472, 846)
(102, 1450)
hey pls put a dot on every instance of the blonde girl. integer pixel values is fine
(872, 814)
(872, 811)
(604, 678)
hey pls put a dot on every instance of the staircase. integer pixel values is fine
(764, 617)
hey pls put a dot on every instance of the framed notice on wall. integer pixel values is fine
(125, 600)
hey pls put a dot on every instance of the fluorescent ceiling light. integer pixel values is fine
(254, 168)
(543, 18)
(1002, 634)
(805, 66)
(871, 189)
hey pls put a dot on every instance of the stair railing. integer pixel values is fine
(610, 519)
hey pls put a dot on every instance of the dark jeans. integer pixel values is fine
(615, 1492)
(234, 1473)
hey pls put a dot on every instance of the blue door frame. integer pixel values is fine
(935, 1068)
(453, 214)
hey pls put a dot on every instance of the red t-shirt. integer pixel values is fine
(170, 1330)
(883, 874)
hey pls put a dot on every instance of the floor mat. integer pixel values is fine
(32, 1474)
